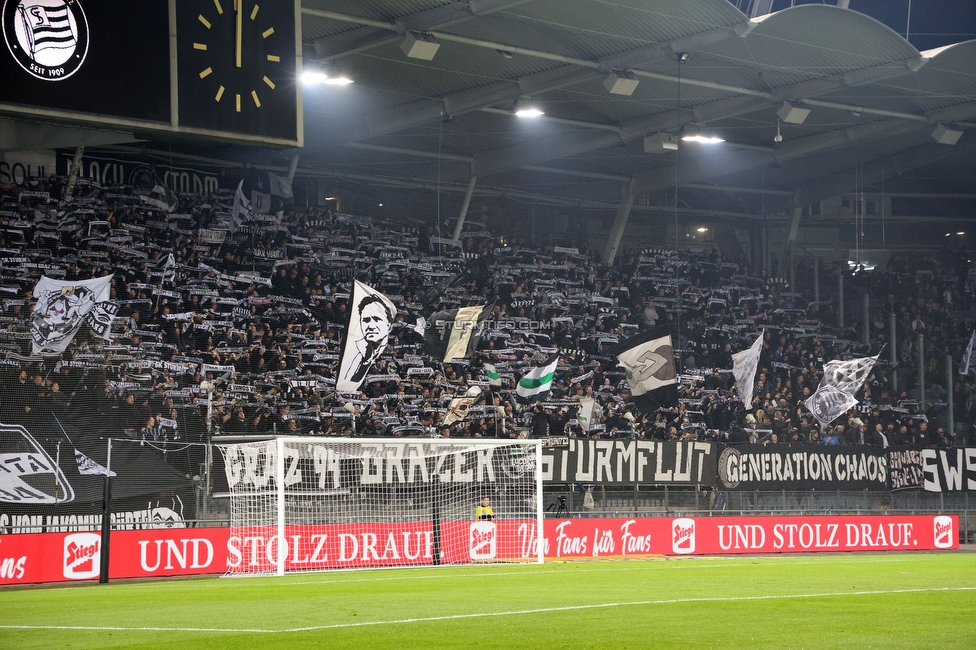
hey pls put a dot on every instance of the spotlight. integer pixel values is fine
(702, 138)
(314, 72)
(779, 136)
(525, 107)
(682, 56)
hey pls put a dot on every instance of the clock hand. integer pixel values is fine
(239, 5)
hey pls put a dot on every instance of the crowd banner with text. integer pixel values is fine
(949, 470)
(905, 468)
(624, 462)
(71, 556)
(803, 466)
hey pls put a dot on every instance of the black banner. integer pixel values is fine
(949, 470)
(52, 476)
(906, 468)
(803, 467)
(625, 462)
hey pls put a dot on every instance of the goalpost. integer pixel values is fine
(311, 504)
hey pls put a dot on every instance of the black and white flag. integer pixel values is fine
(648, 362)
(841, 381)
(242, 209)
(744, 366)
(280, 186)
(63, 306)
(161, 198)
(455, 334)
(370, 322)
(967, 365)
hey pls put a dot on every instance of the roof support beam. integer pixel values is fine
(888, 167)
(375, 33)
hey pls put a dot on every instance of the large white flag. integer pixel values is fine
(280, 186)
(242, 209)
(744, 366)
(967, 362)
(649, 364)
(63, 306)
(537, 381)
(848, 376)
(590, 413)
(841, 381)
(370, 322)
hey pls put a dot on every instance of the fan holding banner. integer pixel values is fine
(370, 322)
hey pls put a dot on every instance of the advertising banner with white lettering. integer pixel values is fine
(625, 462)
(949, 470)
(72, 556)
(803, 466)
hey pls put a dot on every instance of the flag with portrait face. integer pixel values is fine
(371, 317)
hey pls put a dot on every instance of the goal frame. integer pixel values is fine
(280, 489)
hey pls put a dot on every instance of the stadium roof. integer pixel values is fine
(855, 104)
(874, 101)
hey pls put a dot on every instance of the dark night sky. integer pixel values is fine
(933, 22)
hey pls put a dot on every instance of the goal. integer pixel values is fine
(301, 504)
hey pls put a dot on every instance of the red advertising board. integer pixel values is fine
(56, 557)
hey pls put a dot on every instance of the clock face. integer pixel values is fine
(237, 67)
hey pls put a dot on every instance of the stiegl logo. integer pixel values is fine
(483, 540)
(943, 531)
(683, 536)
(81, 555)
(48, 38)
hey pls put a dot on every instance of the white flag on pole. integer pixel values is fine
(966, 365)
(744, 366)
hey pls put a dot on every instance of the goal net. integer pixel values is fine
(300, 504)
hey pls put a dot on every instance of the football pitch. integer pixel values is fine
(907, 600)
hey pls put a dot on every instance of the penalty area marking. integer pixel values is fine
(454, 617)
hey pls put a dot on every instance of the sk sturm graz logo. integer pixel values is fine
(48, 38)
(27, 473)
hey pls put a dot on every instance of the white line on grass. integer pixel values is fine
(454, 617)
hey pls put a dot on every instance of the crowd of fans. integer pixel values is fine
(271, 301)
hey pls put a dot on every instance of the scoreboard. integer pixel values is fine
(222, 69)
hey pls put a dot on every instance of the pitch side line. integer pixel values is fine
(454, 617)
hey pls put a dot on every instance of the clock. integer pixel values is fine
(237, 67)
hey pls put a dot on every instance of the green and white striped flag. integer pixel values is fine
(494, 379)
(538, 381)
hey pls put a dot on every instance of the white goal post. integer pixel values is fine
(313, 504)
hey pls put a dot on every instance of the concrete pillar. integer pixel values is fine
(464, 207)
(894, 351)
(949, 397)
(840, 299)
(921, 372)
(867, 318)
(816, 279)
(73, 173)
(619, 222)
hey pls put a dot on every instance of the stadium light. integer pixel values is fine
(702, 137)
(527, 108)
(313, 72)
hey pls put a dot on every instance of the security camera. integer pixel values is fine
(778, 137)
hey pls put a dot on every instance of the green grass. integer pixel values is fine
(921, 600)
